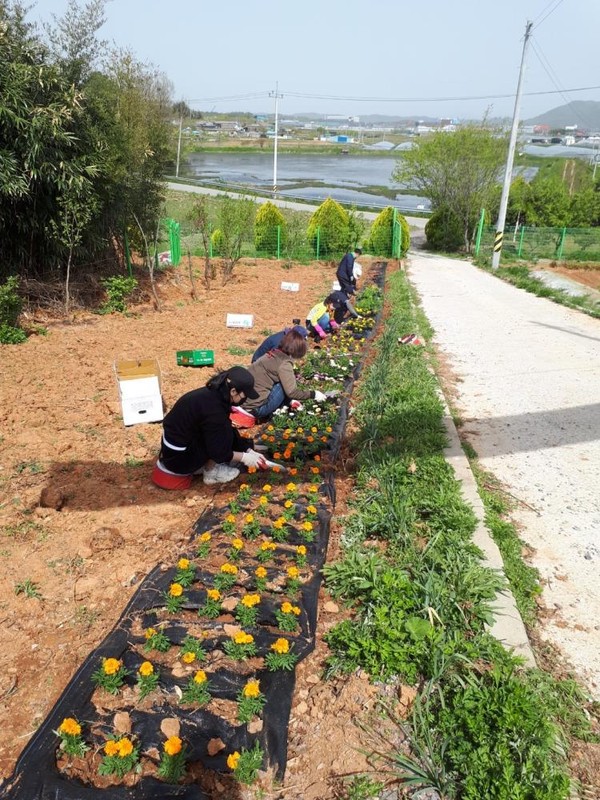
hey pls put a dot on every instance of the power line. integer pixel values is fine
(552, 10)
(309, 96)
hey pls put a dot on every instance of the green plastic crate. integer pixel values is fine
(195, 358)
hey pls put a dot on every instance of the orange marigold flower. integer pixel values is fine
(264, 436)
(251, 689)
(277, 455)
(270, 428)
(260, 572)
(175, 590)
(271, 438)
(293, 572)
(111, 748)
(229, 569)
(323, 438)
(125, 747)
(200, 676)
(276, 468)
(146, 669)
(70, 727)
(286, 607)
(213, 594)
(173, 745)
(281, 646)
(310, 439)
(251, 470)
(237, 544)
(250, 600)
(317, 457)
(188, 657)
(301, 550)
(111, 666)
(314, 470)
(183, 563)
(293, 471)
(232, 760)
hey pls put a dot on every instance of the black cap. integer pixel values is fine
(358, 250)
(242, 380)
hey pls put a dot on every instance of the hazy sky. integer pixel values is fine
(358, 53)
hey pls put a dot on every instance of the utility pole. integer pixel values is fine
(510, 158)
(179, 143)
(276, 95)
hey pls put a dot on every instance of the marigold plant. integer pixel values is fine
(212, 604)
(110, 675)
(246, 611)
(147, 679)
(246, 764)
(186, 573)
(197, 690)
(174, 598)
(250, 701)
(203, 544)
(260, 579)
(287, 617)
(240, 646)
(156, 640)
(71, 740)
(120, 757)
(171, 768)
(193, 646)
(227, 577)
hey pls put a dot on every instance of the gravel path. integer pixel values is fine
(528, 389)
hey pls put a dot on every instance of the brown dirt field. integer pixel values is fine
(587, 275)
(61, 431)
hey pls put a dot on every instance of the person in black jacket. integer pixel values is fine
(345, 274)
(341, 306)
(198, 435)
(274, 340)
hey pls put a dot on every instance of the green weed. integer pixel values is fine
(28, 588)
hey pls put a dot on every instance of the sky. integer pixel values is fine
(354, 58)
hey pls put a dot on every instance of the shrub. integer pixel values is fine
(381, 235)
(10, 308)
(268, 219)
(118, 290)
(330, 226)
(445, 231)
(217, 240)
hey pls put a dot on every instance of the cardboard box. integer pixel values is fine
(195, 358)
(139, 390)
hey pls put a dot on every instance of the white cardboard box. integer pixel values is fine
(139, 390)
(240, 320)
(290, 287)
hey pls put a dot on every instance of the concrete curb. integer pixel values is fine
(508, 626)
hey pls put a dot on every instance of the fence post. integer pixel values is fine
(318, 241)
(561, 245)
(279, 241)
(479, 231)
(521, 238)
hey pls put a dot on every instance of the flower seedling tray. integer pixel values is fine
(195, 358)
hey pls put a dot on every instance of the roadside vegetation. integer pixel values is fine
(481, 725)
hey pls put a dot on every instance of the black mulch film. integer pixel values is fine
(37, 776)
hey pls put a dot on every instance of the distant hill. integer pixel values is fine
(583, 113)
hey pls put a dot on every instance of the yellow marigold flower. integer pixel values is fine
(266, 546)
(314, 430)
(183, 563)
(111, 666)
(293, 572)
(111, 748)
(150, 633)
(300, 430)
(146, 669)
(125, 747)
(311, 509)
(173, 745)
(279, 523)
(230, 518)
(175, 590)
(281, 646)
(296, 610)
(291, 487)
(237, 544)
(188, 657)
(307, 526)
(301, 550)
(288, 504)
(251, 689)
(286, 607)
(329, 429)
(70, 727)
(213, 594)
(263, 500)
(313, 488)
(267, 487)
(243, 638)
(206, 537)
(229, 569)
(288, 431)
(314, 470)
(270, 428)
(200, 676)
(260, 572)
(249, 518)
(244, 486)
(250, 600)
(232, 760)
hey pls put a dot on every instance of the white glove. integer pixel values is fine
(253, 459)
(320, 397)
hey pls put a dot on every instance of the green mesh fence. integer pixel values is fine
(529, 243)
